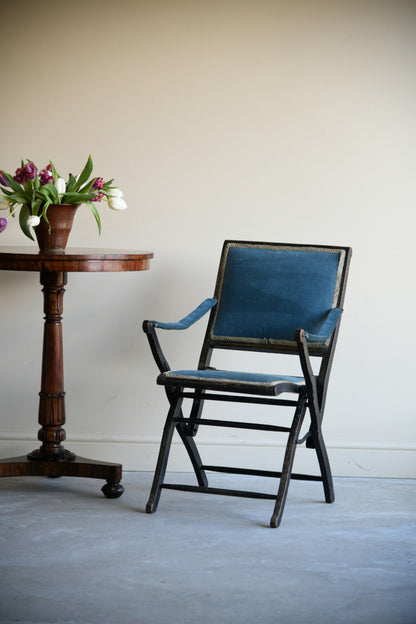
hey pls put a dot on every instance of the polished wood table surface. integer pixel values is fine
(52, 459)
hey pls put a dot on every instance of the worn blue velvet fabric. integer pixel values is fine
(226, 375)
(191, 318)
(326, 328)
(268, 293)
(261, 383)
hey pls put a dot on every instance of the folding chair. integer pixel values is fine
(269, 297)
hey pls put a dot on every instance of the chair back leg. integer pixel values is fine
(193, 453)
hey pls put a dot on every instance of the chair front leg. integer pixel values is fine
(187, 434)
(174, 412)
(324, 466)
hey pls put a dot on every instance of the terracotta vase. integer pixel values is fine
(60, 217)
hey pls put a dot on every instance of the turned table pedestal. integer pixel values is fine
(52, 459)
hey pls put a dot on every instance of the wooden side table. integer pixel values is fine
(51, 459)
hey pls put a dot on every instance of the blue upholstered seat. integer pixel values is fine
(232, 381)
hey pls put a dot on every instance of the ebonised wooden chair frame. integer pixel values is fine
(208, 384)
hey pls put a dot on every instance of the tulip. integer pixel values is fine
(98, 184)
(60, 186)
(115, 192)
(33, 221)
(4, 205)
(30, 170)
(20, 176)
(117, 203)
(25, 173)
(45, 176)
(3, 224)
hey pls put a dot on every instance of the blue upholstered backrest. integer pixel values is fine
(266, 292)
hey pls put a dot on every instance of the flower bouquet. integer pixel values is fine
(31, 192)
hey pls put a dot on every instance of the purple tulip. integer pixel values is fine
(3, 179)
(30, 170)
(45, 176)
(3, 224)
(25, 173)
(20, 175)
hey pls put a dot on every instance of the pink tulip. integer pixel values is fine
(98, 184)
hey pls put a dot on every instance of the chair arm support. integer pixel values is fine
(149, 328)
(161, 361)
(327, 327)
(188, 320)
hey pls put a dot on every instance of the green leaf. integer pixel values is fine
(21, 198)
(88, 187)
(96, 215)
(36, 204)
(85, 173)
(28, 187)
(44, 212)
(54, 171)
(76, 198)
(48, 192)
(14, 185)
(71, 184)
(23, 217)
(107, 185)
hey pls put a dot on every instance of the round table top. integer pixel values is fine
(73, 259)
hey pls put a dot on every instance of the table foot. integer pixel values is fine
(78, 467)
(112, 490)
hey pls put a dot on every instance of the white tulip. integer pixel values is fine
(117, 203)
(33, 221)
(115, 192)
(4, 205)
(60, 186)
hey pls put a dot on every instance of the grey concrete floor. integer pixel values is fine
(68, 555)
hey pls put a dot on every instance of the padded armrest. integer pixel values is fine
(326, 328)
(191, 318)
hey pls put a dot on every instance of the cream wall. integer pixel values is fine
(267, 120)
